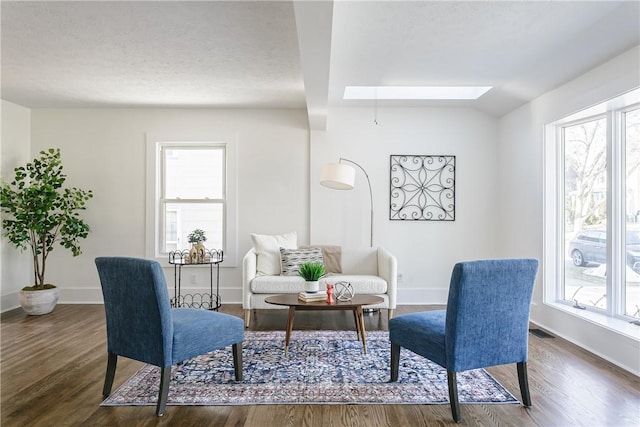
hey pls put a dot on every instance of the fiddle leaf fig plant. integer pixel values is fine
(39, 212)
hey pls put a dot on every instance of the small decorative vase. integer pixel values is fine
(35, 303)
(330, 299)
(311, 286)
(201, 250)
(193, 254)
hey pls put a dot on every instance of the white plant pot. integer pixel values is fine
(35, 303)
(311, 286)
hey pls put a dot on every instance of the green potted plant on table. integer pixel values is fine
(311, 272)
(38, 213)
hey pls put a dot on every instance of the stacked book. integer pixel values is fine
(312, 296)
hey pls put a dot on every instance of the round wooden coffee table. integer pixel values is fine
(355, 305)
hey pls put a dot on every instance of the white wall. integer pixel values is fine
(104, 150)
(426, 250)
(521, 190)
(15, 266)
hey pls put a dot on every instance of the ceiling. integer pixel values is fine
(300, 54)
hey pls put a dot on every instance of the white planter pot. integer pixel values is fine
(311, 286)
(35, 303)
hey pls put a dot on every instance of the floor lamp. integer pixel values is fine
(343, 177)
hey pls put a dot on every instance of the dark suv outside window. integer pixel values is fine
(590, 246)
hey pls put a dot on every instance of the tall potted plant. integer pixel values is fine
(38, 213)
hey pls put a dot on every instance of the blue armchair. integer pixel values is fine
(486, 323)
(141, 324)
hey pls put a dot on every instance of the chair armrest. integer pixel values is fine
(388, 270)
(249, 270)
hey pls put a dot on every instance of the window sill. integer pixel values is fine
(619, 326)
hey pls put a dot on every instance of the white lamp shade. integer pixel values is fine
(338, 176)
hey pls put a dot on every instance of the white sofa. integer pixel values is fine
(370, 271)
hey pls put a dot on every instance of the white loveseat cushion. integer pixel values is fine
(277, 284)
(362, 284)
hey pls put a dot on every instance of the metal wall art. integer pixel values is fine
(422, 188)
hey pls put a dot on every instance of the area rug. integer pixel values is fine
(322, 367)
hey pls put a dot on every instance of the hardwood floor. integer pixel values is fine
(52, 371)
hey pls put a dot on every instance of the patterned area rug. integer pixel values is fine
(322, 367)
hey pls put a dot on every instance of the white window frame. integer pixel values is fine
(553, 275)
(154, 226)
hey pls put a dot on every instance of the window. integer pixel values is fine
(190, 187)
(592, 214)
(631, 138)
(585, 212)
(193, 193)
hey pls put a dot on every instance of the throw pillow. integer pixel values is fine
(292, 259)
(332, 257)
(268, 251)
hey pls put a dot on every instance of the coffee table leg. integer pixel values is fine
(361, 326)
(355, 318)
(292, 313)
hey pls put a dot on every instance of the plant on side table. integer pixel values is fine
(311, 272)
(197, 238)
(39, 212)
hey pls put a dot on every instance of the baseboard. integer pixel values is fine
(94, 296)
(9, 302)
(417, 296)
(411, 296)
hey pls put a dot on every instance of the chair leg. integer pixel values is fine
(165, 378)
(389, 313)
(247, 317)
(112, 361)
(453, 395)
(395, 361)
(237, 360)
(524, 383)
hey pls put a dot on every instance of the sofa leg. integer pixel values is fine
(390, 313)
(247, 318)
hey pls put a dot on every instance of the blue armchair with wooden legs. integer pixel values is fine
(141, 324)
(486, 323)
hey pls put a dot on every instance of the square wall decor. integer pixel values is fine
(422, 188)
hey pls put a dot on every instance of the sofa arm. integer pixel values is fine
(388, 270)
(249, 270)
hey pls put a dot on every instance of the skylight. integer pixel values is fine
(414, 92)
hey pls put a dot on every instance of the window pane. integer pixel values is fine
(632, 185)
(188, 217)
(194, 173)
(585, 213)
(171, 230)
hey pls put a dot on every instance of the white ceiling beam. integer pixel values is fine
(314, 23)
